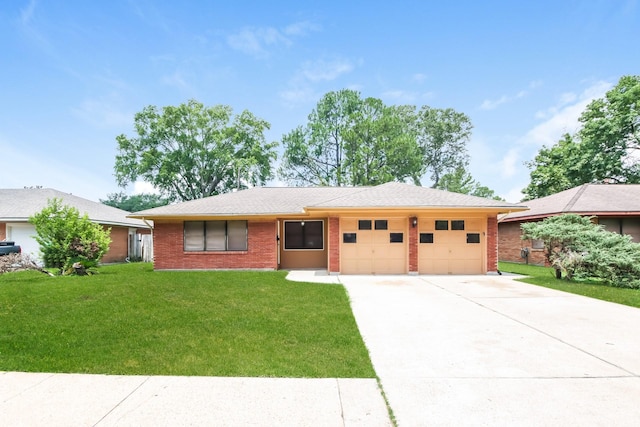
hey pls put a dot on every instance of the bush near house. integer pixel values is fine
(580, 249)
(67, 238)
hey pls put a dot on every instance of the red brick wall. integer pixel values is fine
(3, 230)
(169, 251)
(492, 244)
(413, 247)
(510, 244)
(334, 245)
(119, 246)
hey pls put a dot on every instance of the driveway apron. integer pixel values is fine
(487, 350)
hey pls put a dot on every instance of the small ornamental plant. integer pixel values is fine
(68, 240)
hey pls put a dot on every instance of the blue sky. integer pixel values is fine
(74, 73)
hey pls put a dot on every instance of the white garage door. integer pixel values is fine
(373, 246)
(451, 246)
(23, 234)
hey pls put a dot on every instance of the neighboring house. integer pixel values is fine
(17, 205)
(615, 206)
(391, 228)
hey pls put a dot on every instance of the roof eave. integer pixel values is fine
(215, 215)
(424, 208)
(583, 213)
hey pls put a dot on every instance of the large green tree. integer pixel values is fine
(378, 149)
(192, 151)
(135, 202)
(350, 141)
(606, 148)
(461, 181)
(557, 168)
(353, 141)
(315, 154)
(442, 135)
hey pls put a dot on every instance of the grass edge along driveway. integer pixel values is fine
(545, 276)
(131, 320)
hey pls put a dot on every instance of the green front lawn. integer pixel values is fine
(545, 276)
(129, 319)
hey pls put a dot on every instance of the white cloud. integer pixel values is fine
(508, 164)
(69, 177)
(564, 99)
(103, 114)
(301, 28)
(399, 95)
(322, 70)
(514, 195)
(177, 80)
(563, 117)
(406, 97)
(28, 26)
(419, 77)
(567, 98)
(257, 41)
(558, 119)
(298, 96)
(489, 104)
(492, 104)
(27, 13)
(150, 14)
(143, 187)
(247, 41)
(301, 85)
(535, 84)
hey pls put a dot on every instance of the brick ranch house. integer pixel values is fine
(615, 206)
(392, 228)
(17, 205)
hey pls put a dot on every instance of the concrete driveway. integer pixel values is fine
(487, 350)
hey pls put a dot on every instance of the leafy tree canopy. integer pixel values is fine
(350, 141)
(192, 151)
(606, 148)
(136, 202)
(65, 237)
(460, 181)
(442, 135)
(353, 141)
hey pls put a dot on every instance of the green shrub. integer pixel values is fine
(66, 238)
(582, 249)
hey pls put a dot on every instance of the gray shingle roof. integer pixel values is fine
(587, 199)
(295, 200)
(396, 194)
(17, 205)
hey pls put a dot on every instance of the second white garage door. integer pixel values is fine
(451, 246)
(373, 246)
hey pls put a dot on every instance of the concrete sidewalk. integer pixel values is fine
(38, 399)
(43, 399)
